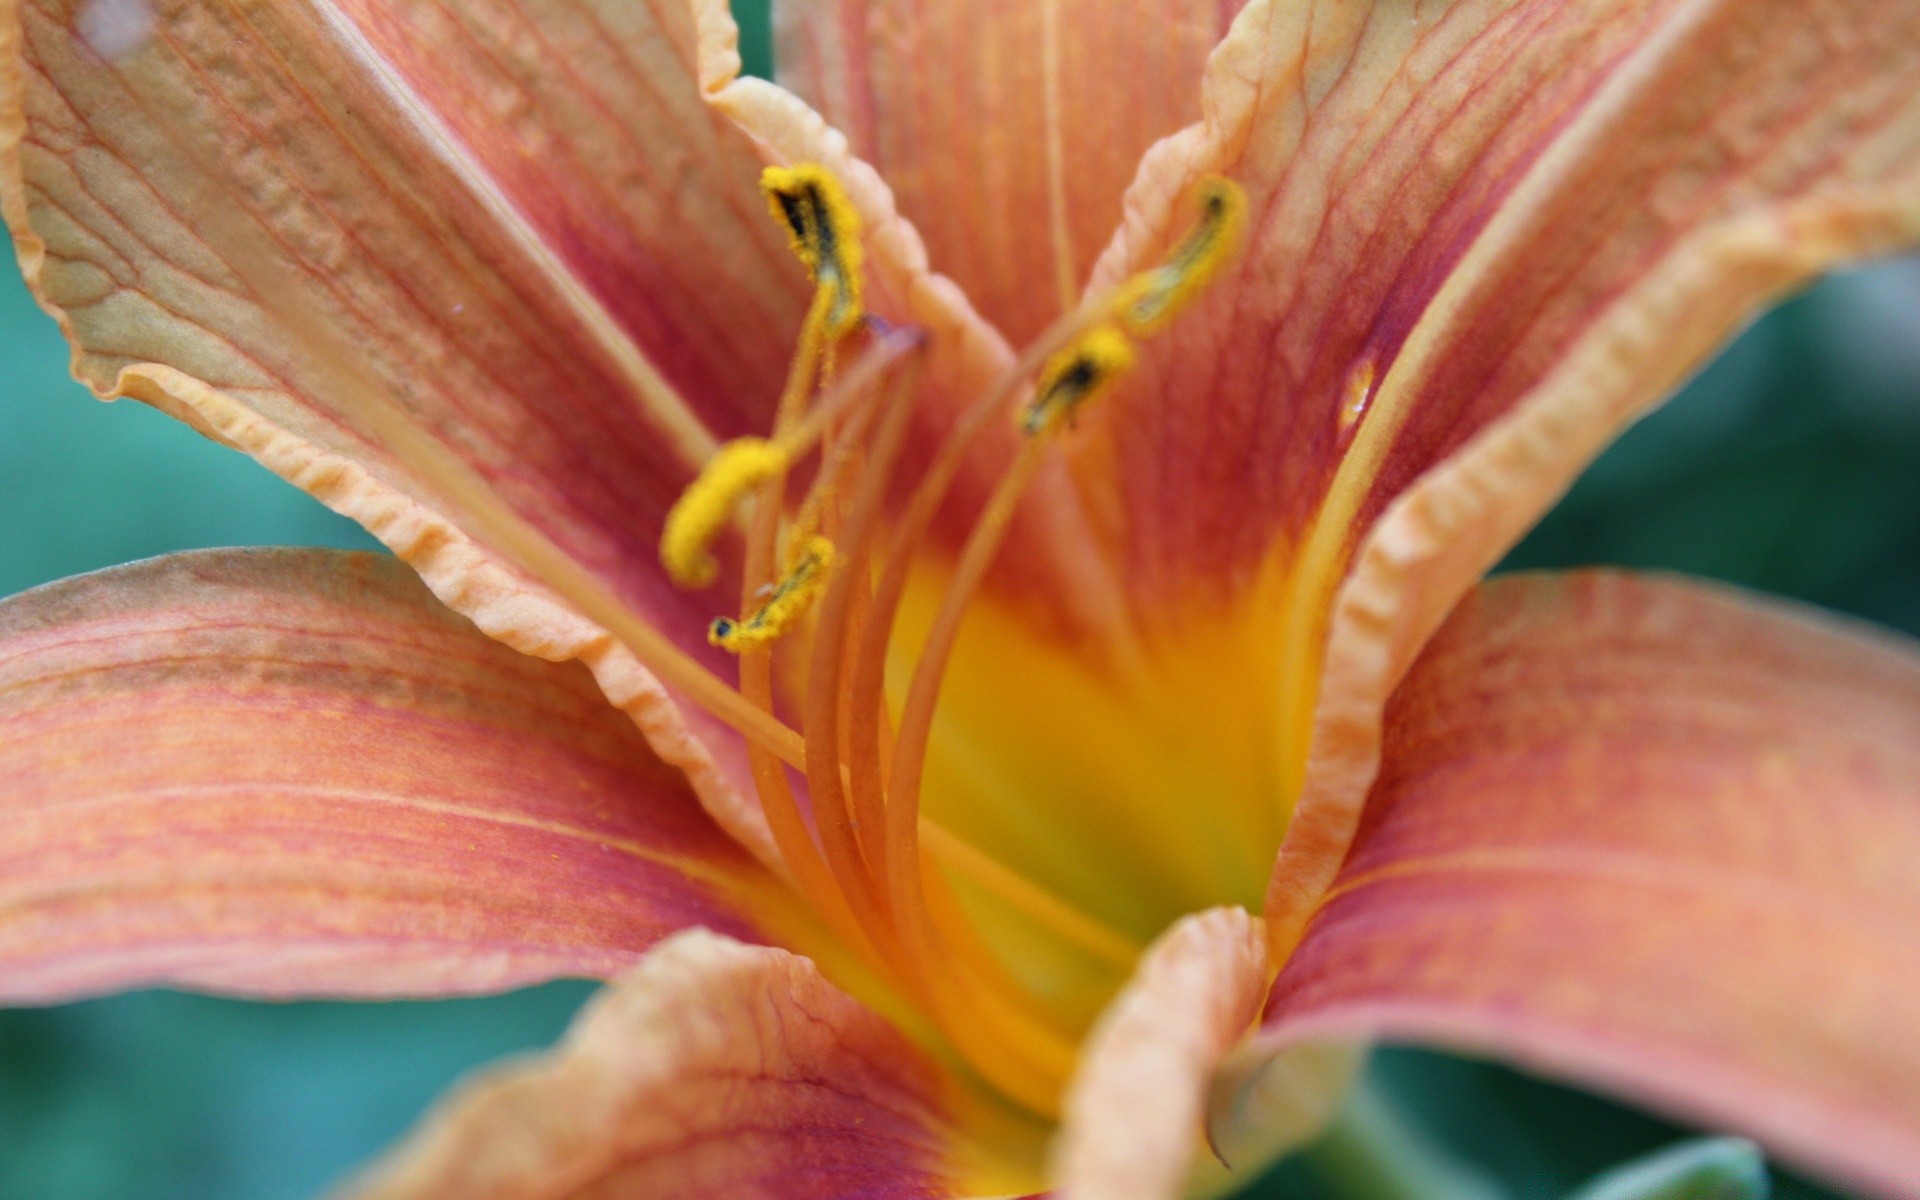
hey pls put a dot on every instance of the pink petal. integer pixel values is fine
(712, 1069)
(1470, 210)
(507, 219)
(292, 772)
(1002, 126)
(456, 273)
(1655, 836)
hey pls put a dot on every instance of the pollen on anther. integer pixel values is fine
(1076, 375)
(805, 579)
(704, 509)
(1154, 297)
(824, 229)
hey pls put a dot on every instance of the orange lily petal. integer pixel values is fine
(423, 264)
(1657, 836)
(1008, 131)
(1466, 210)
(292, 772)
(711, 1069)
(1131, 1116)
(490, 237)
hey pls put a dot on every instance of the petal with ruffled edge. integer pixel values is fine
(1009, 132)
(441, 269)
(1484, 237)
(711, 1069)
(417, 181)
(1653, 835)
(293, 772)
(478, 279)
(1452, 205)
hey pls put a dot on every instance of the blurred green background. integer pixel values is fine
(1792, 465)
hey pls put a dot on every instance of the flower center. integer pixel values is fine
(827, 568)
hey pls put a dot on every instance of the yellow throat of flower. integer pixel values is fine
(823, 585)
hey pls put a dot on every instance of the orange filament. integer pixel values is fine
(859, 849)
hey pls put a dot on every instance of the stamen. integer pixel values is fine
(872, 749)
(938, 956)
(806, 577)
(1152, 298)
(858, 848)
(825, 231)
(1076, 375)
(700, 513)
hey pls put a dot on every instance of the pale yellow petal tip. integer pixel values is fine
(1154, 297)
(1081, 372)
(704, 509)
(792, 597)
(824, 229)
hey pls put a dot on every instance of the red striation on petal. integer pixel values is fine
(449, 220)
(712, 1069)
(285, 773)
(308, 228)
(588, 117)
(951, 103)
(1655, 836)
(1447, 199)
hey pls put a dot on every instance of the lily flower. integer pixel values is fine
(953, 578)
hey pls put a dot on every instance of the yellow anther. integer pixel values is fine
(704, 509)
(1152, 298)
(825, 230)
(1076, 375)
(806, 578)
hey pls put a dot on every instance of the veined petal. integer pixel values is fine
(1456, 209)
(1484, 235)
(711, 1069)
(1050, 566)
(293, 772)
(459, 199)
(1008, 131)
(1656, 836)
(1132, 1116)
(422, 262)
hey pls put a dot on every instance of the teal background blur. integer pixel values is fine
(1792, 465)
